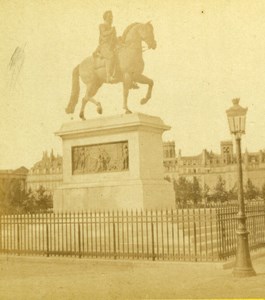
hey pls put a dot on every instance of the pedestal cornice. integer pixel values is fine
(113, 124)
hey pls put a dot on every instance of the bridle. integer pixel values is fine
(128, 43)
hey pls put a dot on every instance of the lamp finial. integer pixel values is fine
(236, 101)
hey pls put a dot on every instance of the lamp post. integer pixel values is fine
(237, 119)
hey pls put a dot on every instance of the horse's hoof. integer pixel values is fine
(144, 100)
(127, 111)
(81, 115)
(99, 109)
(69, 110)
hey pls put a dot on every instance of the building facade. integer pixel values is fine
(8, 176)
(47, 172)
(208, 166)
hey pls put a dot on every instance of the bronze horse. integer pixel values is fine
(129, 68)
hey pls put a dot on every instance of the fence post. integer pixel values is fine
(219, 232)
(114, 241)
(223, 233)
(47, 239)
(79, 242)
(195, 240)
(0, 233)
(153, 243)
(254, 233)
(18, 240)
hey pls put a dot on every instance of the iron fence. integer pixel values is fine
(197, 234)
(227, 225)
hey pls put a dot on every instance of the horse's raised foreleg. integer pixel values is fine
(145, 80)
(90, 92)
(127, 82)
(98, 104)
(84, 102)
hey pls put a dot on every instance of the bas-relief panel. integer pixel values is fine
(100, 158)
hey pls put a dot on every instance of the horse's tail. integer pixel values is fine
(75, 91)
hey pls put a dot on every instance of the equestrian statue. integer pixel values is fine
(115, 60)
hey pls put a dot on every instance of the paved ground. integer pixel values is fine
(67, 278)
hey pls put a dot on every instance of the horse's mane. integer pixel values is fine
(126, 31)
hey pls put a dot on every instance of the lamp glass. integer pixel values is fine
(237, 124)
(236, 118)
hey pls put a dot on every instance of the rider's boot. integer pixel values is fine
(110, 78)
(109, 71)
(134, 86)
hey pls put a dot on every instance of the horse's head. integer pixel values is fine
(147, 34)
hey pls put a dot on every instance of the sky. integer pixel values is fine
(208, 53)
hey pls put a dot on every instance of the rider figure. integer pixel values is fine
(107, 44)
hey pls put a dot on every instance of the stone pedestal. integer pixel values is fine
(113, 163)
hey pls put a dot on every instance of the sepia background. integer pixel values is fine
(208, 53)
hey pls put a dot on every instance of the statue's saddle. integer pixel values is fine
(99, 58)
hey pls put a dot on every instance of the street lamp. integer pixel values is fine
(237, 119)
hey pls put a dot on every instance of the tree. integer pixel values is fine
(232, 193)
(12, 196)
(251, 191)
(186, 191)
(4, 187)
(205, 193)
(182, 189)
(220, 194)
(17, 197)
(262, 192)
(195, 193)
(39, 200)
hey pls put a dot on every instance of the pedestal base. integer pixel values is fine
(113, 163)
(135, 194)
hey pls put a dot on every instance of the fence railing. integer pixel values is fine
(227, 225)
(203, 234)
